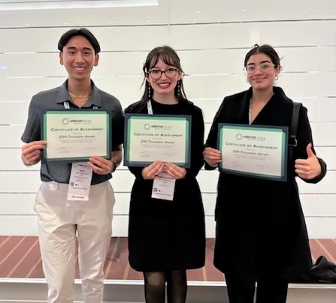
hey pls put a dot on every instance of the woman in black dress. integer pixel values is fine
(261, 235)
(167, 236)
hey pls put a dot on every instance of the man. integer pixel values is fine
(65, 212)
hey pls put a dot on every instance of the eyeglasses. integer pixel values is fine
(156, 74)
(251, 68)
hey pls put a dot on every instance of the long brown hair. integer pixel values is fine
(169, 56)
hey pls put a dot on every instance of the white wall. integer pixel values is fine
(212, 38)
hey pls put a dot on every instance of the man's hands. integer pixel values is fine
(31, 152)
(102, 166)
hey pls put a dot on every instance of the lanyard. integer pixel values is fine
(149, 107)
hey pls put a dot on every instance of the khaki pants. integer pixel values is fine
(60, 223)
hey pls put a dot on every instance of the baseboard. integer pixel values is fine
(131, 291)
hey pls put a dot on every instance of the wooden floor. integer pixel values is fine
(20, 258)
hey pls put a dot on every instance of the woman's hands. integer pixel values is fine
(212, 156)
(308, 168)
(154, 169)
(175, 171)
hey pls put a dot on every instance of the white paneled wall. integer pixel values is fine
(212, 38)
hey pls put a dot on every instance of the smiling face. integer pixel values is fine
(163, 86)
(78, 58)
(261, 72)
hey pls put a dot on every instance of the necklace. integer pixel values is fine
(79, 97)
(79, 100)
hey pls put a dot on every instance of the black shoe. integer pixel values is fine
(323, 271)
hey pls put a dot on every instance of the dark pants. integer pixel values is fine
(268, 290)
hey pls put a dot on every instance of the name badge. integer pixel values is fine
(163, 187)
(80, 182)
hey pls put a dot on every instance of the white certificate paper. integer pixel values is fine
(255, 151)
(157, 137)
(76, 135)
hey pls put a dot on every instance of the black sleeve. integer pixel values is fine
(197, 143)
(117, 126)
(212, 138)
(304, 137)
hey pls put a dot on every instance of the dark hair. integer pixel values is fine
(79, 32)
(266, 49)
(168, 56)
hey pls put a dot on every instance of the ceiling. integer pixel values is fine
(11, 5)
(159, 12)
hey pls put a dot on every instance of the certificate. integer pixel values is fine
(255, 151)
(157, 137)
(76, 135)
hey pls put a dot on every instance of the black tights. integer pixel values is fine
(155, 286)
(269, 290)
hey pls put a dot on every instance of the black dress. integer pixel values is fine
(163, 234)
(260, 225)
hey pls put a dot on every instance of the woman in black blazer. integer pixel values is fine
(261, 235)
